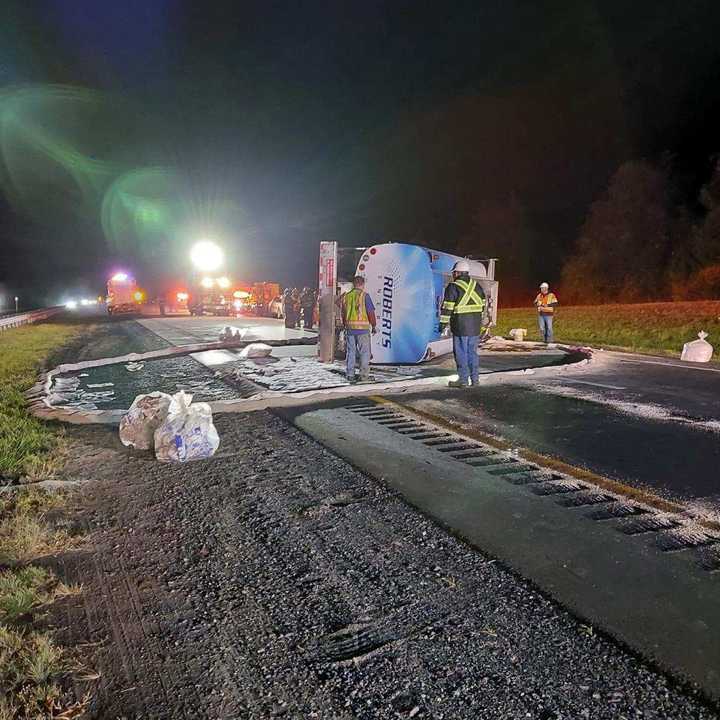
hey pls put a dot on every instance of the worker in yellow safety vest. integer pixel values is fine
(546, 302)
(359, 319)
(463, 309)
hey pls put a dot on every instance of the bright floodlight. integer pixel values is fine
(207, 282)
(223, 282)
(71, 304)
(206, 256)
(119, 277)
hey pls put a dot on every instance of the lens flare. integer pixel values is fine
(141, 212)
(54, 152)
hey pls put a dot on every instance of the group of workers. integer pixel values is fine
(463, 311)
(297, 305)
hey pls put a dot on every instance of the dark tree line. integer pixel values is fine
(640, 241)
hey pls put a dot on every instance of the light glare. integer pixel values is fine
(206, 256)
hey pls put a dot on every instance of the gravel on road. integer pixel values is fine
(275, 580)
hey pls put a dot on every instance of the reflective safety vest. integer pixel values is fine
(354, 311)
(470, 302)
(543, 303)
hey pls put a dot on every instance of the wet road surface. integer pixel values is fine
(646, 421)
(675, 459)
(687, 389)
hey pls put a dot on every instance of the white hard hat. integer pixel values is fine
(542, 285)
(461, 266)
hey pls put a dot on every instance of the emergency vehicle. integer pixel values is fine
(123, 294)
(263, 294)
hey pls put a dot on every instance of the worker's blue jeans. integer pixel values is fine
(360, 345)
(465, 349)
(545, 325)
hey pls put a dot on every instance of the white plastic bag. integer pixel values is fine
(146, 414)
(256, 350)
(187, 433)
(697, 350)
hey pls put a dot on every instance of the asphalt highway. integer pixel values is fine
(186, 330)
(645, 421)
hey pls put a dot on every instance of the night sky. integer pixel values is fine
(129, 129)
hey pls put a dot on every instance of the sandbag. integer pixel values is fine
(518, 334)
(146, 414)
(187, 432)
(697, 350)
(256, 350)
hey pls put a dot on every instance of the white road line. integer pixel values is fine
(596, 384)
(668, 364)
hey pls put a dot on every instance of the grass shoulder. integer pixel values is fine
(655, 328)
(33, 667)
(26, 444)
(35, 671)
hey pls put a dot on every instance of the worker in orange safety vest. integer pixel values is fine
(546, 302)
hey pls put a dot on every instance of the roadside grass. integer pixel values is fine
(24, 534)
(21, 591)
(25, 442)
(659, 328)
(32, 664)
(24, 538)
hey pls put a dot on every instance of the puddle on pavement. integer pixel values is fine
(113, 387)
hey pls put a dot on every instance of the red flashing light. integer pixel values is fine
(373, 251)
(361, 266)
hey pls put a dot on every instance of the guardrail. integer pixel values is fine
(29, 317)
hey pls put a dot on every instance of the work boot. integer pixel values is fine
(457, 384)
(474, 381)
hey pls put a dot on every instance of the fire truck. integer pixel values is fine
(217, 296)
(263, 294)
(123, 294)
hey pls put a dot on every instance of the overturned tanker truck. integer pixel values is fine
(406, 284)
